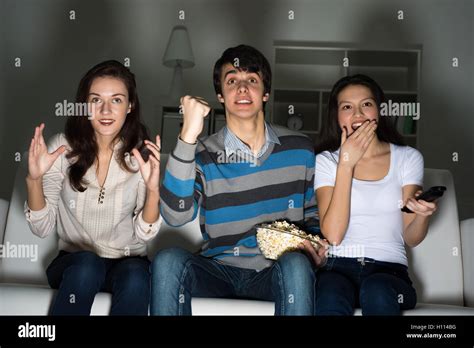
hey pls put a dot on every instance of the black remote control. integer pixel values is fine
(428, 196)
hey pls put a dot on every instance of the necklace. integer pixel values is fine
(100, 199)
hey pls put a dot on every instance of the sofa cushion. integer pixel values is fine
(435, 265)
(18, 299)
(3, 217)
(467, 237)
(30, 269)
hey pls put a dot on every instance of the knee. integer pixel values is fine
(377, 293)
(136, 278)
(87, 270)
(169, 261)
(295, 264)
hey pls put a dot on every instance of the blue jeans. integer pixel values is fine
(178, 275)
(81, 275)
(379, 288)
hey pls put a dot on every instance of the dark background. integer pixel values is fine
(55, 52)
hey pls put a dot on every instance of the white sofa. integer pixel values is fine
(442, 267)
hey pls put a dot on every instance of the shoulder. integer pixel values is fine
(53, 143)
(412, 152)
(56, 141)
(209, 148)
(407, 153)
(293, 139)
(210, 142)
(281, 131)
(327, 159)
(409, 164)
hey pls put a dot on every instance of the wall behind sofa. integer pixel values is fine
(56, 51)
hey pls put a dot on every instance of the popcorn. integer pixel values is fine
(280, 236)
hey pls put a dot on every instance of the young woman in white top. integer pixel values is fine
(364, 175)
(98, 186)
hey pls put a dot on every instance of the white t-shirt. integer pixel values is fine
(375, 227)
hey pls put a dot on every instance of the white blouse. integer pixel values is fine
(109, 224)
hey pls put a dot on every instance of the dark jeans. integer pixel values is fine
(379, 288)
(178, 275)
(81, 275)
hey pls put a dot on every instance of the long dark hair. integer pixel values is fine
(331, 132)
(81, 136)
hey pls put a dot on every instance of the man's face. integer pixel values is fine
(242, 92)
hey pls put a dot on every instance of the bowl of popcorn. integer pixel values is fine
(281, 236)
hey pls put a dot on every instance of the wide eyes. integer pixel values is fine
(233, 81)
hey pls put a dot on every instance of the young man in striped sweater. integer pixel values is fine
(248, 173)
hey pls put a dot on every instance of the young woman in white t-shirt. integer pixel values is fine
(98, 186)
(364, 175)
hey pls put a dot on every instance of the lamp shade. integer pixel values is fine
(179, 51)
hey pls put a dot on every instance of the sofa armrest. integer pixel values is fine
(467, 241)
(3, 217)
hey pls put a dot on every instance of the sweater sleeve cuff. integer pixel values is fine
(146, 231)
(184, 151)
(35, 215)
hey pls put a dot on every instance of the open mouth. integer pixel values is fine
(106, 122)
(356, 125)
(244, 102)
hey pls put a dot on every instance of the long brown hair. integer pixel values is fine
(81, 136)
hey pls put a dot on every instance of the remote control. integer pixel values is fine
(428, 196)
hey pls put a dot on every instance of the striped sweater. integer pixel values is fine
(233, 194)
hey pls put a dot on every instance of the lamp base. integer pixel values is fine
(177, 85)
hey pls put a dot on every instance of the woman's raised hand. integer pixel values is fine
(150, 170)
(354, 146)
(39, 160)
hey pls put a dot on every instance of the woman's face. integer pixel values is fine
(110, 105)
(355, 104)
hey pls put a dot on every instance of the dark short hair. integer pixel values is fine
(249, 59)
(331, 132)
